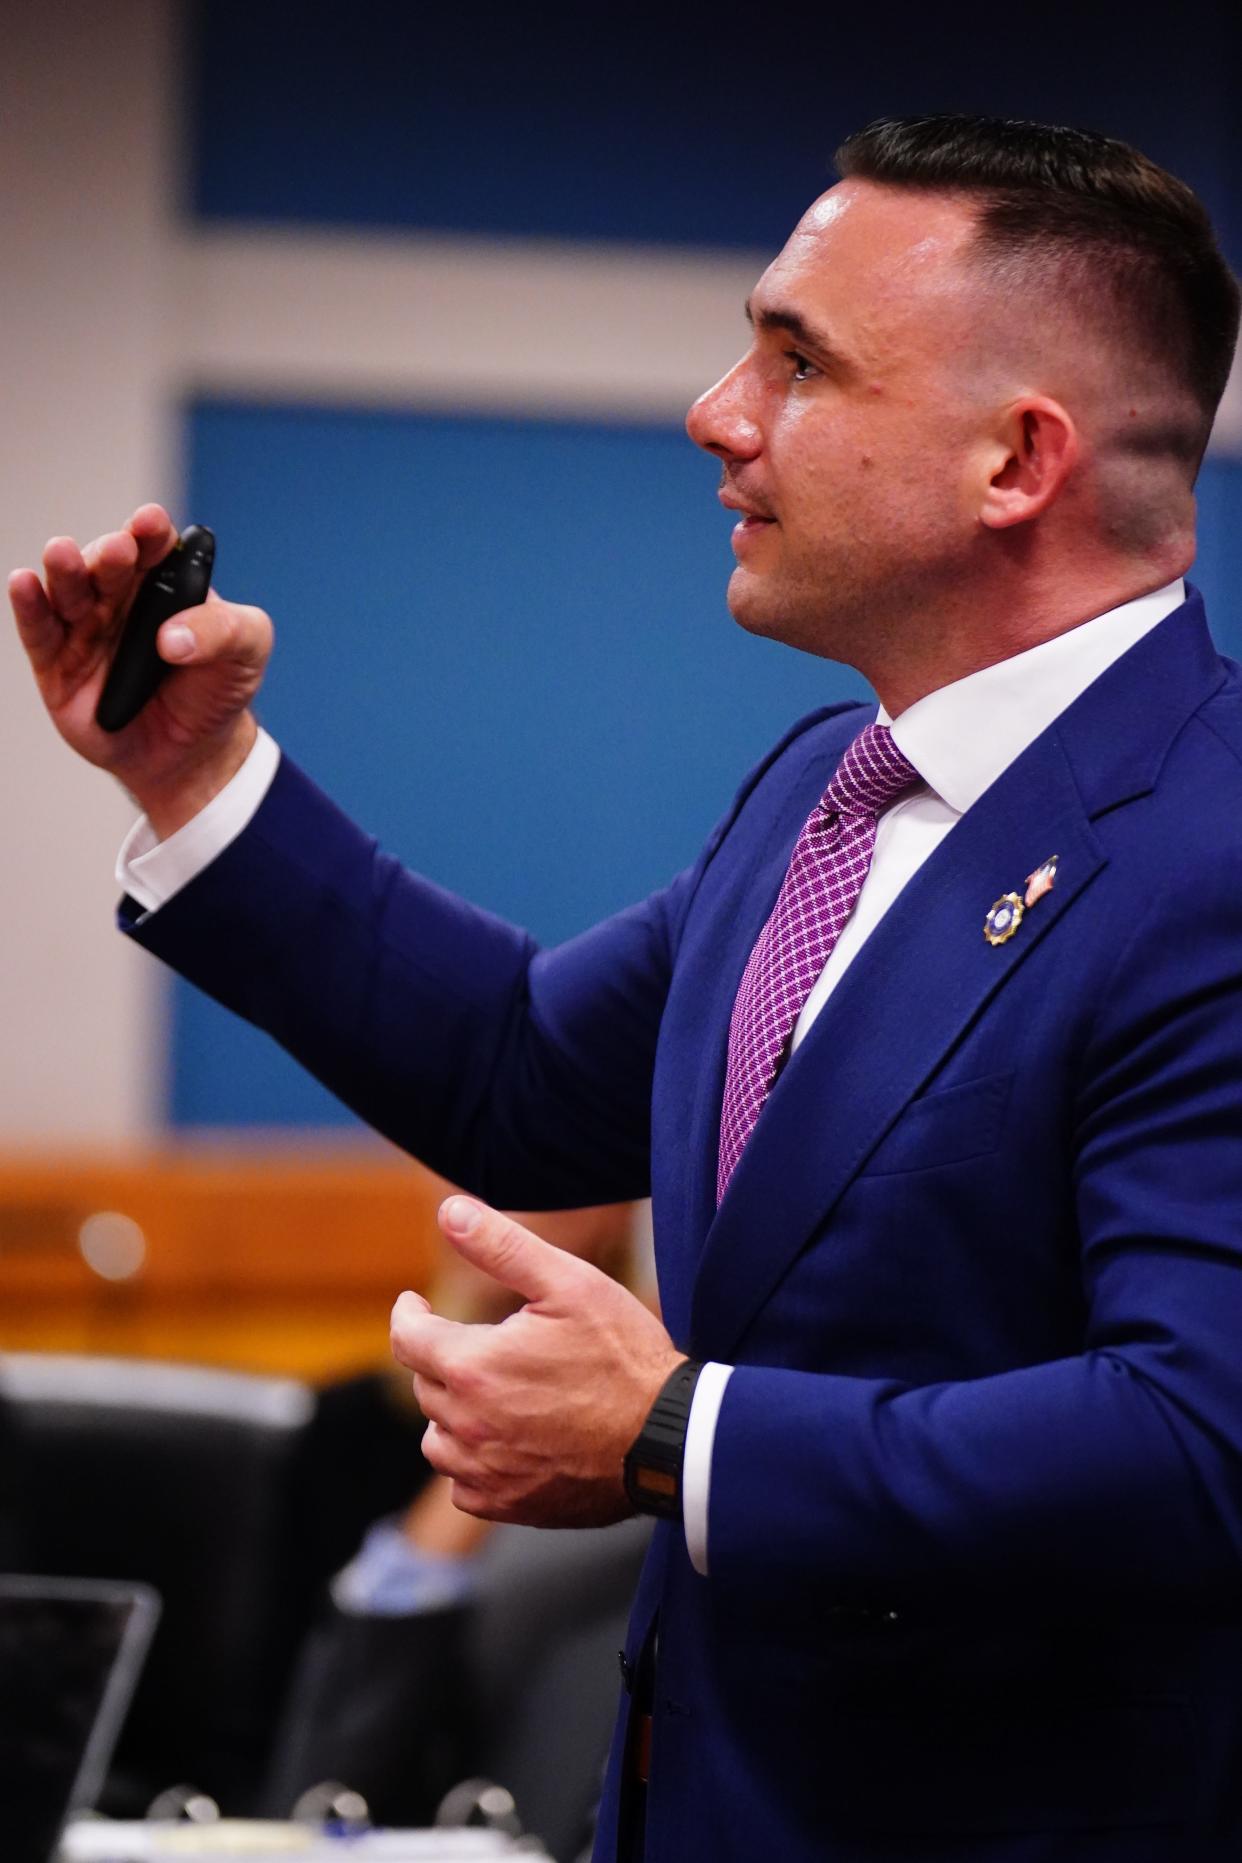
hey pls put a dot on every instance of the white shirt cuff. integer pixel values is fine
(696, 1466)
(151, 871)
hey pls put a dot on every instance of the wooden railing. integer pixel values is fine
(273, 1258)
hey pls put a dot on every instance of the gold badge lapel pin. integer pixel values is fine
(1004, 919)
(1010, 909)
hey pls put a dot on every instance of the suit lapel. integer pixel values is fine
(927, 971)
(922, 976)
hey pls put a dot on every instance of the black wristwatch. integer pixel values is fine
(652, 1468)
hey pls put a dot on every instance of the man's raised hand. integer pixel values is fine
(531, 1418)
(195, 733)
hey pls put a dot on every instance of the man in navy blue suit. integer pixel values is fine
(932, 1062)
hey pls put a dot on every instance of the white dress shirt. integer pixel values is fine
(959, 739)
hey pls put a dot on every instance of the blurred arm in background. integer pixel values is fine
(441, 1633)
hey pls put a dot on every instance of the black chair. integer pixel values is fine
(182, 1477)
(236, 1496)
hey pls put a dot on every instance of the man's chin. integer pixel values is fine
(772, 608)
(750, 599)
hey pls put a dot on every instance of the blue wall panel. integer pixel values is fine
(504, 647)
(1218, 570)
(659, 123)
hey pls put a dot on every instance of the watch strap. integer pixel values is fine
(653, 1465)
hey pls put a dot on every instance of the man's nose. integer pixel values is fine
(722, 422)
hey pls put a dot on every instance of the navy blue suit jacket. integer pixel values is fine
(976, 1508)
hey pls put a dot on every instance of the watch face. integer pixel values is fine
(653, 1491)
(657, 1484)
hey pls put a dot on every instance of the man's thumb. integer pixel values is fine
(520, 1261)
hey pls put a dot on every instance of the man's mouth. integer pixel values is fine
(754, 520)
(752, 517)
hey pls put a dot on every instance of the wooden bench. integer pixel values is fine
(280, 1256)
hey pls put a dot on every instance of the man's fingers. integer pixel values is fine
(439, 1405)
(421, 1340)
(445, 1454)
(111, 562)
(447, 1457)
(217, 630)
(69, 586)
(430, 1396)
(42, 633)
(154, 533)
(510, 1254)
(468, 1500)
(76, 582)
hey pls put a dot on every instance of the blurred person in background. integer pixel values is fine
(448, 1647)
(931, 1058)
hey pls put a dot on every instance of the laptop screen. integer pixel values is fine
(70, 1654)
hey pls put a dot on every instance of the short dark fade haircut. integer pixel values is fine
(1108, 223)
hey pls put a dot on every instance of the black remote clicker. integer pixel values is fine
(180, 581)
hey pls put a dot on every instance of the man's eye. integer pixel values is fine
(802, 369)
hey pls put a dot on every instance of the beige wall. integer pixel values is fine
(85, 175)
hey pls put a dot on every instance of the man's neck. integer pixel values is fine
(997, 626)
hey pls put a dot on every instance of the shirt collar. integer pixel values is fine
(961, 737)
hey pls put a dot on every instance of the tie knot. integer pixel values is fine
(871, 774)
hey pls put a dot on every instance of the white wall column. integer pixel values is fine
(87, 98)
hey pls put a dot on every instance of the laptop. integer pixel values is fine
(71, 1651)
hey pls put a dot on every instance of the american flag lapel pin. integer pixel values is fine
(1040, 882)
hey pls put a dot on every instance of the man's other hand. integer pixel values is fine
(531, 1419)
(195, 733)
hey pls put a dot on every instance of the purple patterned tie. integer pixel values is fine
(826, 871)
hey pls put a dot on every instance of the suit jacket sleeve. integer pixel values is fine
(522, 1074)
(1104, 1477)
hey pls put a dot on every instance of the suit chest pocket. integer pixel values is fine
(948, 1127)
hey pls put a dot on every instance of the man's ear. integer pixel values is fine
(1040, 448)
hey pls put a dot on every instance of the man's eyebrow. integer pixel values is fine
(777, 317)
